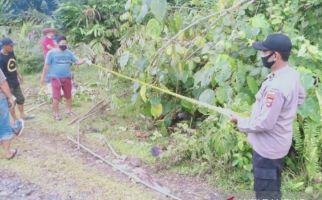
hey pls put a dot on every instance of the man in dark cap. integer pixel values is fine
(8, 66)
(269, 128)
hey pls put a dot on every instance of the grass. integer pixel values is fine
(54, 170)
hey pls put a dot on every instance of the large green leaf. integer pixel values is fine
(143, 93)
(259, 21)
(223, 74)
(203, 77)
(159, 9)
(124, 59)
(127, 5)
(156, 110)
(319, 97)
(310, 109)
(143, 12)
(207, 96)
(224, 94)
(252, 84)
(307, 80)
(156, 106)
(175, 23)
(154, 28)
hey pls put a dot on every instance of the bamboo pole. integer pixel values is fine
(130, 175)
(35, 107)
(89, 112)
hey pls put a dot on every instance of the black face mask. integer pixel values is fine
(266, 63)
(63, 47)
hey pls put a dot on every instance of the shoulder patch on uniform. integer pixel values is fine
(269, 98)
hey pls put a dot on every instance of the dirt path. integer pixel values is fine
(48, 167)
(12, 187)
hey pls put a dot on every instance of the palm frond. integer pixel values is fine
(298, 138)
(311, 149)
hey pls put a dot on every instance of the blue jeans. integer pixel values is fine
(6, 131)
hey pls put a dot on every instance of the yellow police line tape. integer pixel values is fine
(223, 111)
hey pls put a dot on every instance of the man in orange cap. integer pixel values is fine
(48, 41)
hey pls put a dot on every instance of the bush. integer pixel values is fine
(28, 50)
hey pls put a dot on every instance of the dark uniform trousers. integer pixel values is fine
(267, 177)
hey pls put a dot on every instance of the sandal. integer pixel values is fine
(14, 153)
(71, 114)
(28, 117)
(19, 126)
(57, 117)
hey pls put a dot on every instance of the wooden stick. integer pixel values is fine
(94, 107)
(93, 113)
(110, 147)
(78, 136)
(26, 90)
(130, 175)
(35, 107)
(87, 113)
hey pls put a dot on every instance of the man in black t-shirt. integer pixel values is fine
(8, 66)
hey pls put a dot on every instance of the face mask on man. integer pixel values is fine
(63, 47)
(265, 61)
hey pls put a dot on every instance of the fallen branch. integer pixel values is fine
(93, 113)
(36, 107)
(78, 135)
(130, 175)
(110, 147)
(88, 113)
(94, 107)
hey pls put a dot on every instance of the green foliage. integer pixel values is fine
(208, 56)
(96, 22)
(214, 143)
(159, 9)
(28, 49)
(18, 12)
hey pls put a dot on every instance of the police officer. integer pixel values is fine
(269, 128)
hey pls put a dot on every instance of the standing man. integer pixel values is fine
(8, 66)
(48, 43)
(6, 131)
(59, 61)
(269, 128)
